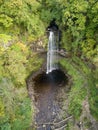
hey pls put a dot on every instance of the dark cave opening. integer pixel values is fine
(56, 77)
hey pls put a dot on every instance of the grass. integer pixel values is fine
(84, 84)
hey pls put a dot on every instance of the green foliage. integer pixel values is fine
(88, 47)
(49, 10)
(15, 107)
(34, 63)
(84, 84)
(78, 91)
(16, 63)
(1, 108)
(21, 14)
(5, 20)
(89, 75)
(23, 115)
(14, 58)
(5, 41)
(69, 126)
(93, 99)
(80, 19)
(23, 22)
(6, 126)
(66, 40)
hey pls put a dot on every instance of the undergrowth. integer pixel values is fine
(84, 85)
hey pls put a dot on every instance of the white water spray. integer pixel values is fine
(52, 57)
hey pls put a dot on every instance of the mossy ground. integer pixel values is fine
(84, 86)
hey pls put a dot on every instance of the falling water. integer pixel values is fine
(52, 57)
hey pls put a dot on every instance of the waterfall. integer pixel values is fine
(52, 57)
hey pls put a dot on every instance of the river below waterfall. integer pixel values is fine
(49, 95)
(47, 105)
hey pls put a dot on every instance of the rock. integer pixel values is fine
(44, 126)
(53, 113)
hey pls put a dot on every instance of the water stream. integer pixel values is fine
(52, 56)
